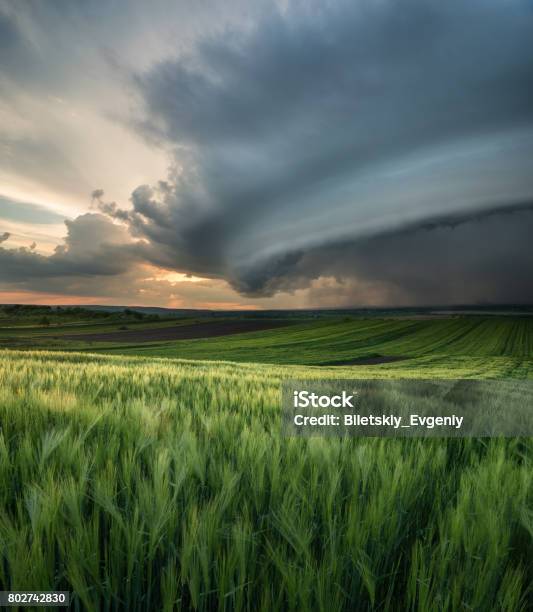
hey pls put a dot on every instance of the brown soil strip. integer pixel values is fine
(210, 329)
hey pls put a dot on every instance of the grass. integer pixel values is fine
(146, 483)
(482, 339)
(323, 342)
(155, 484)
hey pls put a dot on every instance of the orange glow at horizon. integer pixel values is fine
(48, 299)
(53, 299)
(176, 303)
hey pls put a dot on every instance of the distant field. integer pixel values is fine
(184, 331)
(326, 342)
(484, 340)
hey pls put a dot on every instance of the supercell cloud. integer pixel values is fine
(387, 145)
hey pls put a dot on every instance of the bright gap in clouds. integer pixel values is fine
(160, 274)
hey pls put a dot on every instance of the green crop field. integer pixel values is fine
(330, 341)
(145, 483)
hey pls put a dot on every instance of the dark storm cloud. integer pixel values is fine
(19, 56)
(474, 258)
(339, 69)
(321, 127)
(13, 48)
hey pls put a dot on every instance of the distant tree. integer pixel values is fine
(44, 321)
(128, 312)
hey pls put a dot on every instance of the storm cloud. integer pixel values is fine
(93, 246)
(318, 129)
(477, 258)
(385, 145)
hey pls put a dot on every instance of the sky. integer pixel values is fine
(280, 154)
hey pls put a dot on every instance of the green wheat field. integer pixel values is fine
(157, 478)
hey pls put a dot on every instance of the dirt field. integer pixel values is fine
(182, 332)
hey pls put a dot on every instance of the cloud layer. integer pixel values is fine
(385, 145)
(326, 128)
